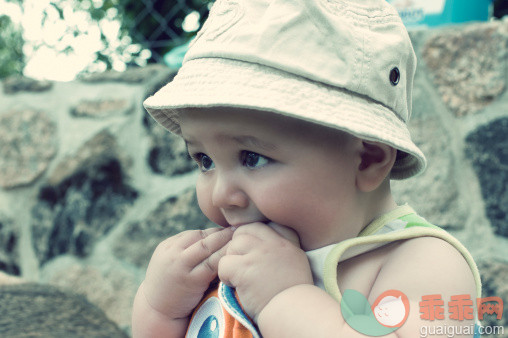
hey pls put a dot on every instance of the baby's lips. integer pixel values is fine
(285, 232)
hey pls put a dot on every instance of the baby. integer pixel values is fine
(295, 112)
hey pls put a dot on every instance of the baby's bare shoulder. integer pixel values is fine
(425, 265)
(429, 246)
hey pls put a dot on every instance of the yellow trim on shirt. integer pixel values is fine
(381, 221)
(330, 267)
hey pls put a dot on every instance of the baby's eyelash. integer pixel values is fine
(204, 162)
(196, 156)
(248, 157)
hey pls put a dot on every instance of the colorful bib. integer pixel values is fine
(220, 315)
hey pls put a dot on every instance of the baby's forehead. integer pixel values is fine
(250, 119)
(229, 113)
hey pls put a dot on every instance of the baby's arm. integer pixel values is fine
(179, 273)
(417, 267)
(273, 281)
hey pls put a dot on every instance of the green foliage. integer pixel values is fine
(157, 24)
(11, 48)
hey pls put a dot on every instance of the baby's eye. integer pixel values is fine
(204, 161)
(253, 160)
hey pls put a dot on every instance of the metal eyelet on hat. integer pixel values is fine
(394, 76)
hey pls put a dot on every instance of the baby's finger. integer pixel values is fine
(208, 268)
(228, 270)
(242, 243)
(256, 229)
(187, 238)
(202, 249)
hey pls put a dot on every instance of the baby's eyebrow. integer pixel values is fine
(190, 143)
(252, 141)
(243, 140)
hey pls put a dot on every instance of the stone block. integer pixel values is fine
(168, 154)
(16, 84)
(9, 247)
(28, 142)
(35, 310)
(100, 149)
(103, 107)
(6, 279)
(132, 75)
(494, 275)
(109, 286)
(85, 197)
(487, 149)
(468, 65)
(171, 217)
(433, 194)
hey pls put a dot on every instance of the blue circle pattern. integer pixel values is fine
(210, 328)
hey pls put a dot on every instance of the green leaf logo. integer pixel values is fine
(387, 314)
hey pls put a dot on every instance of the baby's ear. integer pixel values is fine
(377, 160)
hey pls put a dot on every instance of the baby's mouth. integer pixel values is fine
(239, 224)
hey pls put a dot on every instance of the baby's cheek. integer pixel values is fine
(311, 221)
(284, 210)
(209, 210)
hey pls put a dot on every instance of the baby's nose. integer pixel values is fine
(227, 193)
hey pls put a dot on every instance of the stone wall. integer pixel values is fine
(89, 184)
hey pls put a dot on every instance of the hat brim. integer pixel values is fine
(219, 82)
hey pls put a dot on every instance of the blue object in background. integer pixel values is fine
(432, 13)
(174, 58)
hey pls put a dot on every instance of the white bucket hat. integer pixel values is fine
(344, 64)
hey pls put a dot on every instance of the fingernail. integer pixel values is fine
(232, 228)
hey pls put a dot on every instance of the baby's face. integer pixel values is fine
(261, 167)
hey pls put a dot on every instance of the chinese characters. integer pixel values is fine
(460, 307)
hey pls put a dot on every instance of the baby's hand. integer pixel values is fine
(181, 269)
(261, 261)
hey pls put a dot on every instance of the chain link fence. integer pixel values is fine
(161, 25)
